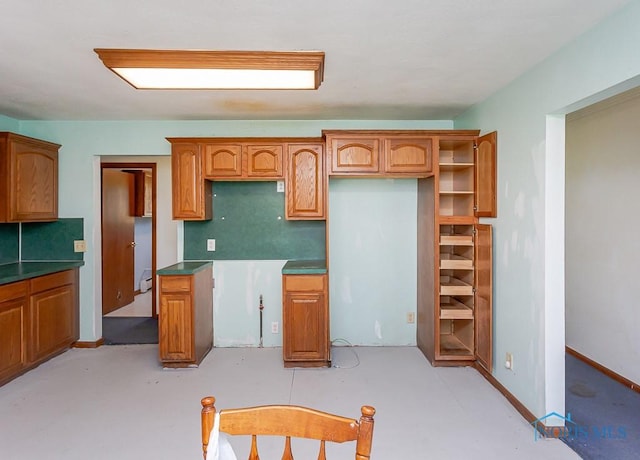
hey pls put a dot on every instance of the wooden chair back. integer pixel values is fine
(290, 422)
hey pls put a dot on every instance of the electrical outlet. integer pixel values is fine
(280, 186)
(275, 327)
(79, 246)
(508, 362)
(411, 317)
(211, 245)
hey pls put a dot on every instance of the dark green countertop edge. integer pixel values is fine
(19, 271)
(185, 268)
(305, 267)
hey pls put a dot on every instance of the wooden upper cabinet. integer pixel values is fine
(28, 179)
(380, 153)
(354, 155)
(485, 178)
(264, 161)
(305, 190)
(222, 160)
(192, 198)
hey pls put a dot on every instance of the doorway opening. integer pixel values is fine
(128, 210)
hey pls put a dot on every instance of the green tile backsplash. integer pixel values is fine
(52, 240)
(8, 243)
(249, 224)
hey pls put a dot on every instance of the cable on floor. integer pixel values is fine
(350, 346)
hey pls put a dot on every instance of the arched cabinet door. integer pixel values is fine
(29, 179)
(305, 189)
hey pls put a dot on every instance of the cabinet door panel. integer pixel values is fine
(175, 327)
(222, 160)
(485, 180)
(191, 192)
(408, 156)
(305, 331)
(265, 161)
(359, 155)
(52, 321)
(483, 297)
(13, 340)
(33, 180)
(305, 182)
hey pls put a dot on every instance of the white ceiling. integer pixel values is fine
(400, 59)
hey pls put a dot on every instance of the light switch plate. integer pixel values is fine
(79, 246)
(211, 245)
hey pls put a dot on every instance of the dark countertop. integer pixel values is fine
(19, 271)
(305, 267)
(184, 268)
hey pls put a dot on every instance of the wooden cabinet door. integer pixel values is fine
(265, 161)
(304, 327)
(354, 155)
(54, 323)
(305, 187)
(403, 155)
(483, 315)
(485, 180)
(32, 183)
(175, 319)
(222, 160)
(191, 192)
(14, 326)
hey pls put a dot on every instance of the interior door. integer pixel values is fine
(117, 240)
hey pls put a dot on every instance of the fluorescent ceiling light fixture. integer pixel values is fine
(200, 69)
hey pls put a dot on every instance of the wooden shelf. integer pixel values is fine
(453, 286)
(455, 262)
(456, 240)
(454, 309)
(453, 346)
(452, 166)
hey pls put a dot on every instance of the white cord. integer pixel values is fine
(350, 346)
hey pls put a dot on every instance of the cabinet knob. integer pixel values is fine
(133, 244)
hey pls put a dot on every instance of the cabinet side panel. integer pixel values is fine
(203, 314)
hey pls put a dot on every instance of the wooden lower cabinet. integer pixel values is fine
(185, 319)
(38, 320)
(305, 321)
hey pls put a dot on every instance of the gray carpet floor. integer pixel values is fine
(129, 330)
(606, 414)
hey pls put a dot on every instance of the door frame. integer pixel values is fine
(152, 167)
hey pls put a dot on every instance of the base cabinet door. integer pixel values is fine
(175, 328)
(54, 314)
(305, 321)
(14, 322)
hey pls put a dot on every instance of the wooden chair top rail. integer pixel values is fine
(291, 421)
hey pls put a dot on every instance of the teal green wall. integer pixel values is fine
(84, 142)
(9, 124)
(51, 240)
(529, 231)
(9, 241)
(249, 224)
